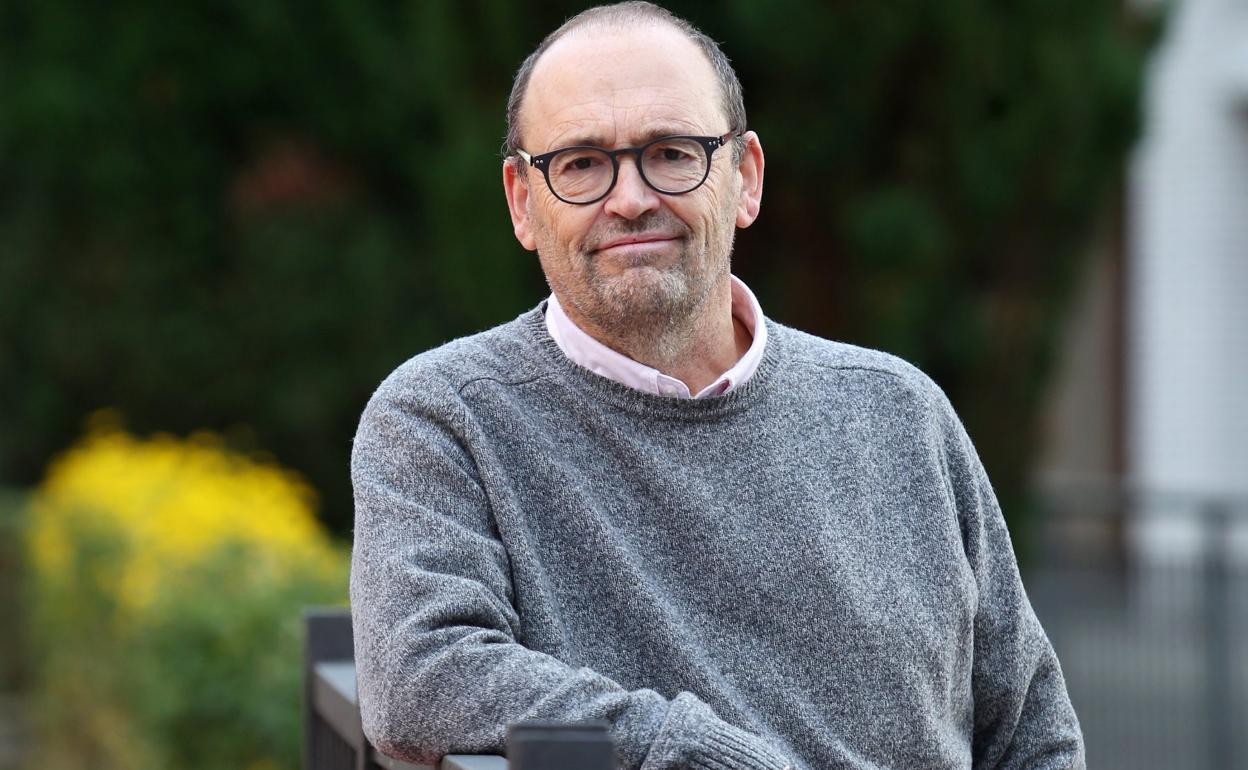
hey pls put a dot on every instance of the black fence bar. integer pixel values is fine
(326, 745)
(1219, 681)
(1145, 597)
(333, 736)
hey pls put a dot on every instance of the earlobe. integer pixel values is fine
(751, 170)
(517, 190)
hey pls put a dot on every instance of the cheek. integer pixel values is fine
(715, 213)
(559, 225)
(720, 203)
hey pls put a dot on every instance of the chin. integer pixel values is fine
(644, 291)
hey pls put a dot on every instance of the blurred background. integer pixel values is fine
(222, 223)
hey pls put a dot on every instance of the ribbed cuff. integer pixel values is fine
(693, 737)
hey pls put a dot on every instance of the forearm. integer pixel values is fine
(440, 666)
(449, 677)
(462, 697)
(1023, 716)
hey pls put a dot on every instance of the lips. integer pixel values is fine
(641, 238)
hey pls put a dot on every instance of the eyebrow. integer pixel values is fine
(650, 134)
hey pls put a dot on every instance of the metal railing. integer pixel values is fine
(333, 736)
(1145, 598)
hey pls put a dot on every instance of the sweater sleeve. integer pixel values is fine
(1023, 715)
(439, 666)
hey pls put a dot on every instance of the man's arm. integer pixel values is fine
(439, 666)
(1023, 715)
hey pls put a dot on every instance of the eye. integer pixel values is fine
(674, 152)
(579, 162)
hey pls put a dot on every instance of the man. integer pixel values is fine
(642, 502)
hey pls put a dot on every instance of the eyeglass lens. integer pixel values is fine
(671, 166)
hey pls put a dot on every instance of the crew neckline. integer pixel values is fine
(589, 352)
(649, 404)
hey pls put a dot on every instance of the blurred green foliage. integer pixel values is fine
(242, 215)
(164, 586)
(211, 679)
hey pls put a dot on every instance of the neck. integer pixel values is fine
(695, 349)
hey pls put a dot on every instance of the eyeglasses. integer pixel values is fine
(672, 165)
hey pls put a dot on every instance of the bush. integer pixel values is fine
(167, 578)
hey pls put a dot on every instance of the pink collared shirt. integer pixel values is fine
(588, 352)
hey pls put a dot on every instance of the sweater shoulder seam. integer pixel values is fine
(491, 378)
(926, 393)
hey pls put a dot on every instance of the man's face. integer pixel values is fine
(637, 256)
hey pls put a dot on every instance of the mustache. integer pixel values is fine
(654, 223)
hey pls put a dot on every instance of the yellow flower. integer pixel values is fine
(166, 505)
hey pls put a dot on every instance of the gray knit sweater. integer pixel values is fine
(809, 572)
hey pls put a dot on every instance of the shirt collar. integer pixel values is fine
(591, 354)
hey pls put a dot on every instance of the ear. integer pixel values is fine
(516, 187)
(751, 170)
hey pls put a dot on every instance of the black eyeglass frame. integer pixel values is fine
(709, 145)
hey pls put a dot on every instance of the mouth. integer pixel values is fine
(638, 242)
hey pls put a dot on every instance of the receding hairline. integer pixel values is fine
(588, 31)
(628, 15)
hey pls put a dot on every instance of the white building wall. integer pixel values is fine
(1187, 271)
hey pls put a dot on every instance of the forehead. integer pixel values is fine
(616, 87)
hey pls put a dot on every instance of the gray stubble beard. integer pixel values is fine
(655, 322)
(653, 316)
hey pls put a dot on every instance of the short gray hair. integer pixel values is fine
(622, 14)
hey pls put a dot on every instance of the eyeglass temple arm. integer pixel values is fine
(525, 156)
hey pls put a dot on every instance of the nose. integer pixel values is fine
(631, 197)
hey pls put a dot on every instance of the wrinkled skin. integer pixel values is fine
(666, 300)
